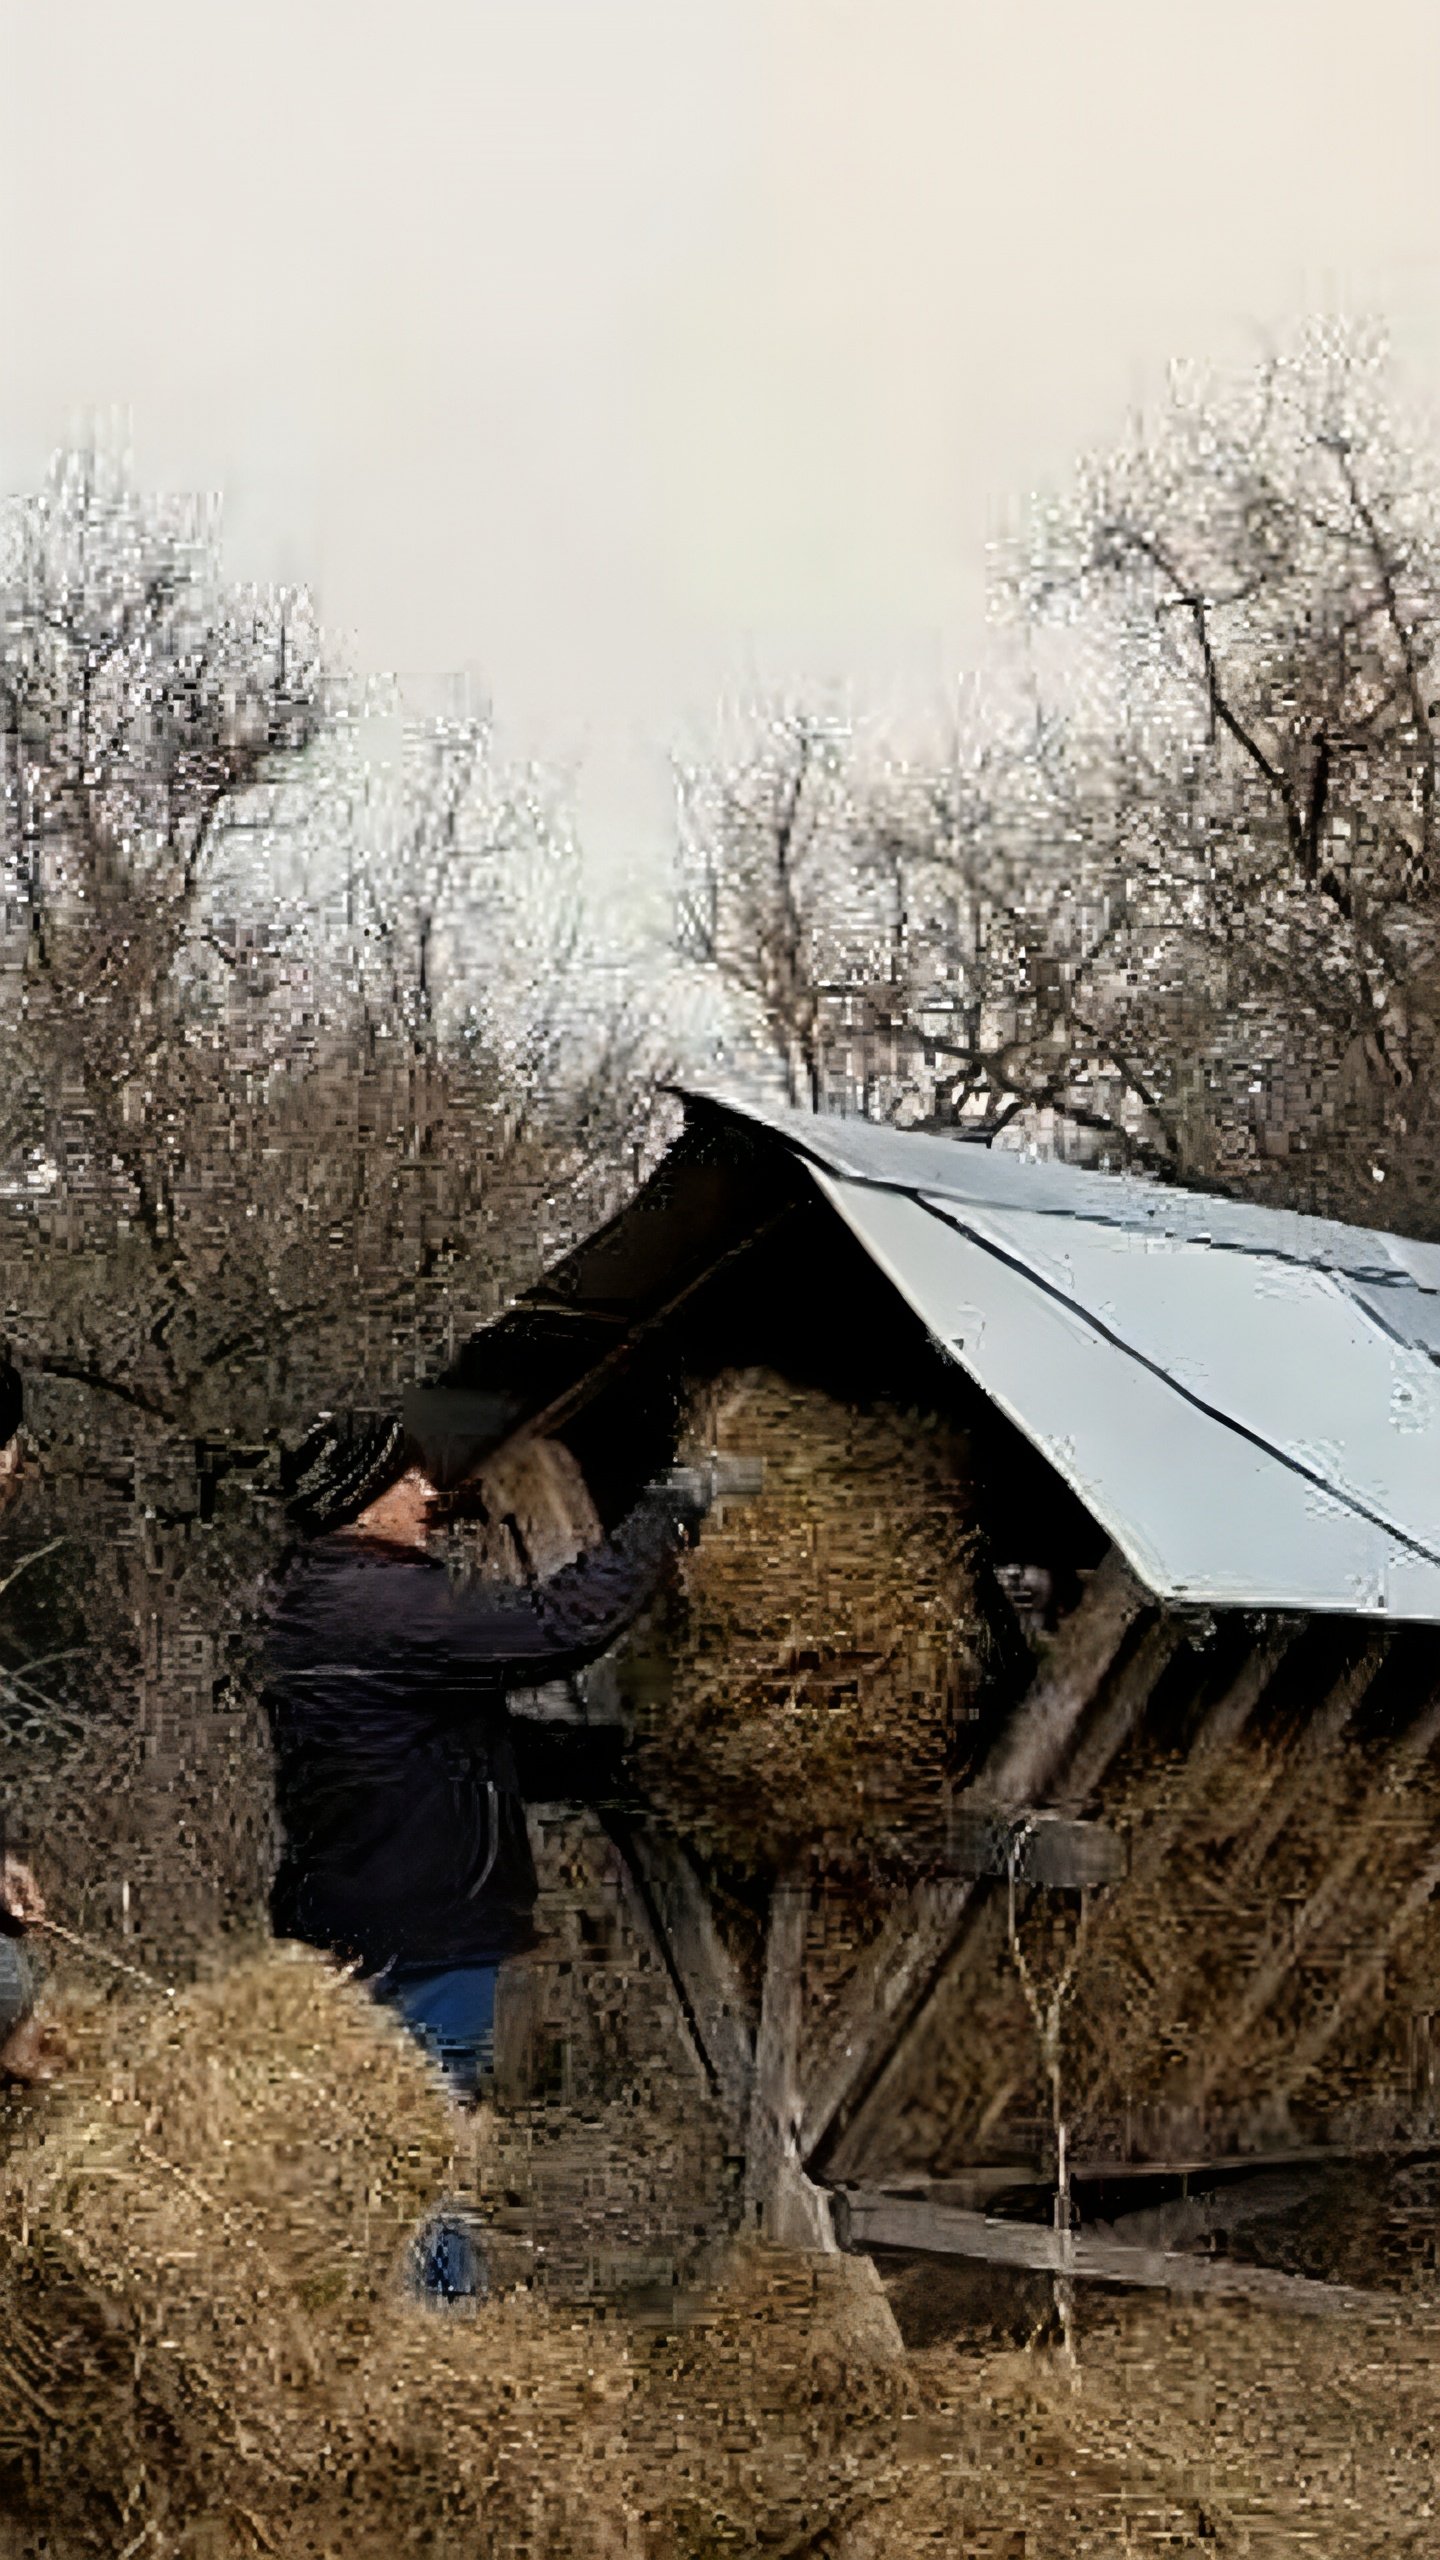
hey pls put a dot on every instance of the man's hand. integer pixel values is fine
(715, 1478)
(20, 1896)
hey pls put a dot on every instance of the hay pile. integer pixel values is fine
(203, 2249)
(825, 1642)
(206, 2353)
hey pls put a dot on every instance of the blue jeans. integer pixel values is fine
(17, 1984)
(451, 2009)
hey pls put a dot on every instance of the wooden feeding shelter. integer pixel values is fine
(1194, 1760)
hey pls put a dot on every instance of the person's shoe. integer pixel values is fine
(33, 2054)
(448, 2265)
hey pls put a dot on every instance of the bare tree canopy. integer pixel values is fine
(1187, 917)
(293, 1086)
(1262, 573)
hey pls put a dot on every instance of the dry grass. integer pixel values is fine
(1288, 1982)
(799, 1708)
(206, 2351)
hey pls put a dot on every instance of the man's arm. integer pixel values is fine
(558, 1626)
(374, 1617)
(22, 1903)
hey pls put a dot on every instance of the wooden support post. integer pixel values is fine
(897, 1975)
(671, 1903)
(868, 2220)
(780, 2200)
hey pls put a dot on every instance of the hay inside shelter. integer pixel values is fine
(1270, 1961)
(806, 1687)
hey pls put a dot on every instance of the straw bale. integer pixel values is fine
(203, 2247)
(825, 1642)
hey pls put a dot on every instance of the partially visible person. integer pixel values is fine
(406, 1848)
(27, 2051)
(12, 1409)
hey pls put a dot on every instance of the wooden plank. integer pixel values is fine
(1033, 1747)
(779, 2198)
(899, 1970)
(715, 2012)
(1208, 2173)
(1276, 1963)
(1103, 1740)
(868, 2220)
(1050, 1852)
(1182, 2220)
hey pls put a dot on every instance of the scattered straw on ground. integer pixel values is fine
(205, 2350)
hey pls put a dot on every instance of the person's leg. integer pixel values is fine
(451, 2009)
(23, 2042)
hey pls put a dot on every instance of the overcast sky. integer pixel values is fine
(638, 357)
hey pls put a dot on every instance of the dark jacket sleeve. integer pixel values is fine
(433, 1630)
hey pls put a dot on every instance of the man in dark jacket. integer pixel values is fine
(406, 1848)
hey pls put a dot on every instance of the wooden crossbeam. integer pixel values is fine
(869, 2220)
(1044, 1848)
(897, 1973)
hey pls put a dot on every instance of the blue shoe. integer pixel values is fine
(448, 2267)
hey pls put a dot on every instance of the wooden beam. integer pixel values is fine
(1033, 1747)
(715, 2013)
(1204, 2173)
(1048, 1851)
(898, 1971)
(1182, 2220)
(868, 2220)
(1104, 1738)
(780, 2200)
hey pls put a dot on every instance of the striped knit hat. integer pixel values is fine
(344, 1463)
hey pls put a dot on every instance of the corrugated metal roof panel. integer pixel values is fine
(1247, 1400)
(1001, 1178)
(1205, 1510)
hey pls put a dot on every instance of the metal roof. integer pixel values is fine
(1247, 1400)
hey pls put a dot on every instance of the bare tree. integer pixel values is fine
(1191, 919)
(904, 940)
(1258, 581)
(250, 1161)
